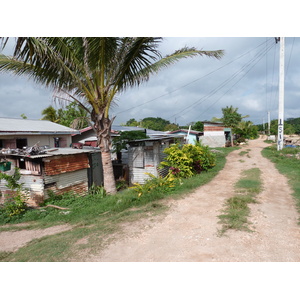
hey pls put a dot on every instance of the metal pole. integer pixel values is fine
(281, 97)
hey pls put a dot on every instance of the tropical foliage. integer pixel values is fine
(157, 123)
(234, 120)
(15, 203)
(120, 142)
(92, 71)
(161, 184)
(246, 130)
(72, 116)
(187, 160)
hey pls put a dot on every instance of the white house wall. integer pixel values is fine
(213, 141)
(42, 140)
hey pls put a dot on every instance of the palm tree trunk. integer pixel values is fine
(102, 127)
(108, 173)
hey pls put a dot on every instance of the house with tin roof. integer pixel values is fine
(41, 150)
(20, 133)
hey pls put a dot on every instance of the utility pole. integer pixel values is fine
(269, 123)
(281, 96)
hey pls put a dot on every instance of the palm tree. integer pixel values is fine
(50, 114)
(91, 72)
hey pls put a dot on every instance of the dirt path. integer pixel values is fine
(11, 241)
(189, 230)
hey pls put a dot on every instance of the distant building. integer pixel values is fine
(215, 134)
(190, 136)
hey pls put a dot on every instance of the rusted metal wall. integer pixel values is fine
(67, 163)
(60, 174)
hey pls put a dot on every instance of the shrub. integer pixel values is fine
(162, 184)
(187, 160)
(15, 204)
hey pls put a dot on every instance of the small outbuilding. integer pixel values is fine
(145, 155)
(57, 169)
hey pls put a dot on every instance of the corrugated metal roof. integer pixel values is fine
(57, 151)
(63, 151)
(168, 137)
(25, 126)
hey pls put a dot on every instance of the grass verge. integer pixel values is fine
(95, 218)
(287, 161)
(236, 211)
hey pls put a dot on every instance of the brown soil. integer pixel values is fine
(189, 229)
(11, 241)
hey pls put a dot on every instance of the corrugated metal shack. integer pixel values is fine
(58, 169)
(144, 156)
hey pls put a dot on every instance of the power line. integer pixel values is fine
(149, 101)
(250, 64)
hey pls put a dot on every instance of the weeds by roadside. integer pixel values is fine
(287, 161)
(236, 209)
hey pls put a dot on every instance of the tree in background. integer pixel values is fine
(246, 130)
(71, 116)
(171, 127)
(295, 122)
(198, 126)
(92, 71)
(288, 128)
(132, 122)
(158, 124)
(50, 114)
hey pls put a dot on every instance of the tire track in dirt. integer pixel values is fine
(189, 230)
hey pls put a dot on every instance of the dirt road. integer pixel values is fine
(189, 231)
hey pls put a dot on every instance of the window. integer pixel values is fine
(56, 142)
(21, 143)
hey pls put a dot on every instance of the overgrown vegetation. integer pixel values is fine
(287, 161)
(236, 209)
(95, 216)
(14, 205)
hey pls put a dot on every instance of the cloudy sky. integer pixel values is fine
(194, 89)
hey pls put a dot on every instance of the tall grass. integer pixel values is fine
(287, 161)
